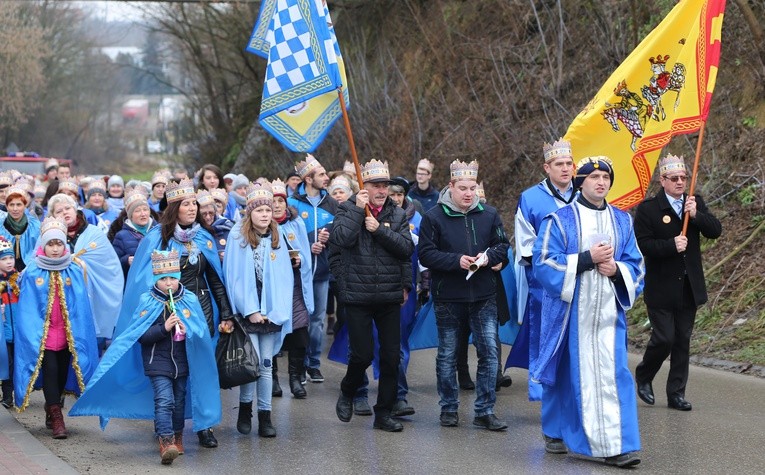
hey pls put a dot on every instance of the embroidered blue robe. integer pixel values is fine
(31, 329)
(582, 364)
(140, 276)
(119, 388)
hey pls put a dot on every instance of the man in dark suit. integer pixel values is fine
(674, 280)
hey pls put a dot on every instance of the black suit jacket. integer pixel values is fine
(656, 225)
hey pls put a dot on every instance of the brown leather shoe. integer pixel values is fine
(179, 442)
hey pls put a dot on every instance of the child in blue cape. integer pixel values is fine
(164, 358)
(55, 346)
(9, 295)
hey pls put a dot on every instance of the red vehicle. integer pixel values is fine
(28, 163)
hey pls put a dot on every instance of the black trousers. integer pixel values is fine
(387, 319)
(55, 369)
(670, 336)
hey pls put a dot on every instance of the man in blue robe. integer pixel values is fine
(586, 258)
(534, 204)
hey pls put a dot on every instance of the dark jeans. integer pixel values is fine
(387, 319)
(482, 317)
(670, 336)
(169, 404)
(55, 369)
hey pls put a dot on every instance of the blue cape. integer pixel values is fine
(119, 388)
(297, 238)
(31, 331)
(425, 334)
(140, 276)
(27, 240)
(276, 300)
(103, 273)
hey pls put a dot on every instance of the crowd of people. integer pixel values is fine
(118, 293)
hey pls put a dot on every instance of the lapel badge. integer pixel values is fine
(273, 256)
(186, 313)
(40, 281)
(209, 244)
(666, 219)
(93, 244)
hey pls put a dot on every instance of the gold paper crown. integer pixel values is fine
(180, 191)
(97, 186)
(134, 196)
(40, 191)
(68, 185)
(219, 194)
(5, 246)
(259, 193)
(51, 223)
(375, 171)
(480, 192)
(51, 163)
(159, 177)
(672, 163)
(19, 188)
(278, 187)
(349, 168)
(460, 170)
(559, 148)
(204, 198)
(164, 262)
(425, 164)
(594, 160)
(305, 167)
(6, 179)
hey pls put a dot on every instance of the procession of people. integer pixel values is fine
(123, 294)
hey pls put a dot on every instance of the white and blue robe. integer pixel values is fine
(534, 204)
(582, 360)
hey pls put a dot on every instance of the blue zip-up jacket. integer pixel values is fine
(315, 218)
(446, 234)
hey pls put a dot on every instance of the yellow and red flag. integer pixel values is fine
(662, 89)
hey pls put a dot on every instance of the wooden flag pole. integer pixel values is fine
(350, 142)
(692, 188)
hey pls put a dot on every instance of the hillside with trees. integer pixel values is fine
(487, 80)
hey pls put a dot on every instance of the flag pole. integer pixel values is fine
(348, 132)
(691, 189)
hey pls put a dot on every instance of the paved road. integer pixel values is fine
(723, 434)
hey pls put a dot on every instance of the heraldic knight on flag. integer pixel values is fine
(662, 89)
(305, 69)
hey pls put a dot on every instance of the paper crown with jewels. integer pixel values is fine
(20, 189)
(459, 170)
(349, 168)
(259, 193)
(180, 191)
(50, 164)
(480, 192)
(6, 179)
(307, 166)
(165, 264)
(426, 165)
(52, 228)
(557, 149)
(6, 247)
(375, 171)
(672, 163)
(68, 185)
(40, 191)
(97, 186)
(204, 198)
(279, 188)
(134, 199)
(159, 177)
(219, 194)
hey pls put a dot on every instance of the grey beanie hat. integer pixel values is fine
(115, 180)
(240, 181)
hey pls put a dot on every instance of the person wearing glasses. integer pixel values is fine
(674, 281)
(425, 193)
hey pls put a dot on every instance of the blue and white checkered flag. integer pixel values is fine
(302, 62)
(296, 114)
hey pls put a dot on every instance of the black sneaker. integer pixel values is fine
(314, 375)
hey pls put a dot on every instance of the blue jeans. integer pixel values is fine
(482, 317)
(316, 324)
(265, 347)
(169, 404)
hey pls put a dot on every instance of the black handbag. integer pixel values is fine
(236, 358)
